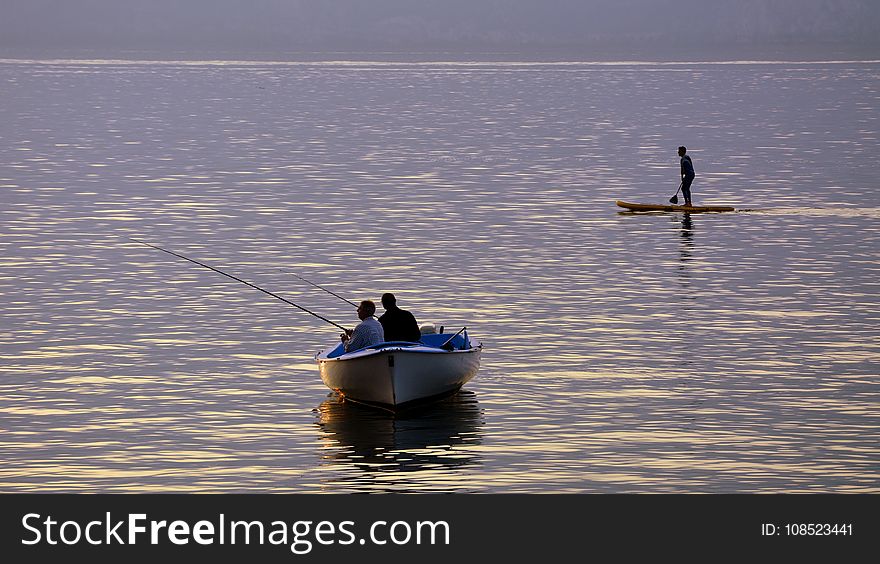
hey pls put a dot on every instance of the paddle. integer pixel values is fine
(674, 199)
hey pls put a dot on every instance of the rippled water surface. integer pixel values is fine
(729, 352)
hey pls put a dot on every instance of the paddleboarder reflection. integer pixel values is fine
(687, 237)
(387, 449)
(686, 253)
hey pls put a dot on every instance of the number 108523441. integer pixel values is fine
(807, 529)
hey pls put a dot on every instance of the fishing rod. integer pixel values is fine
(217, 270)
(319, 287)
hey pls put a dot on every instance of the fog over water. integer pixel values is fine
(582, 30)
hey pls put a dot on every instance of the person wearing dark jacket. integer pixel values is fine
(399, 324)
(687, 175)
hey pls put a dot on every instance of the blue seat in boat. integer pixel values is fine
(431, 340)
(340, 349)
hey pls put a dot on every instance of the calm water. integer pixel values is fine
(623, 353)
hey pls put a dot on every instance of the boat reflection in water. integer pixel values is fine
(426, 448)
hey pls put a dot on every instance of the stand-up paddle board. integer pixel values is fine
(670, 208)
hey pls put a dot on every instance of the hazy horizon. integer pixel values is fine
(561, 29)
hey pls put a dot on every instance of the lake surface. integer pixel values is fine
(733, 352)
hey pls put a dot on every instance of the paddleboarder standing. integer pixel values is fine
(687, 174)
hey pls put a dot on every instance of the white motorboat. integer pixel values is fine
(397, 374)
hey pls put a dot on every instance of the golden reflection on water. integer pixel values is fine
(667, 352)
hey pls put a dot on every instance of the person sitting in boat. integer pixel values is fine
(399, 324)
(367, 333)
(687, 175)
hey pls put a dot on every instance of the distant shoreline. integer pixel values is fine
(782, 53)
(378, 62)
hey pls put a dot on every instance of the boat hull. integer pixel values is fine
(671, 208)
(395, 377)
